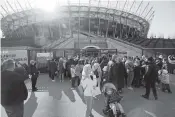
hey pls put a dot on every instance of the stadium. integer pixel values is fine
(121, 25)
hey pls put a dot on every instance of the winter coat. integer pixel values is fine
(164, 76)
(117, 74)
(13, 89)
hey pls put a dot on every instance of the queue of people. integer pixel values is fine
(87, 74)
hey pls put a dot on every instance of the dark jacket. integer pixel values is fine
(152, 73)
(53, 67)
(13, 89)
(33, 70)
(22, 71)
(118, 74)
(103, 63)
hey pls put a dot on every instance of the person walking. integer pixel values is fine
(13, 90)
(78, 71)
(130, 72)
(61, 69)
(33, 74)
(53, 69)
(48, 67)
(73, 76)
(150, 79)
(137, 73)
(88, 83)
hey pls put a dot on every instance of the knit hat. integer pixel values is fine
(150, 59)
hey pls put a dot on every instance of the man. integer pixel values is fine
(13, 90)
(48, 67)
(53, 69)
(33, 73)
(150, 79)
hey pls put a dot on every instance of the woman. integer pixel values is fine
(78, 71)
(97, 71)
(88, 83)
(61, 69)
(117, 73)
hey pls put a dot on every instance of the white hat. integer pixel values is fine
(105, 68)
(160, 56)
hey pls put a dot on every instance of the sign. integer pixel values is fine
(43, 57)
(17, 55)
(122, 54)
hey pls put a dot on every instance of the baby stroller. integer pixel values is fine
(113, 106)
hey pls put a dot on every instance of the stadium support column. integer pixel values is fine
(89, 17)
(79, 26)
(107, 17)
(70, 17)
(128, 33)
(113, 28)
(122, 12)
(98, 32)
(114, 21)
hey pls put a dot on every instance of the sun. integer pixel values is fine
(47, 5)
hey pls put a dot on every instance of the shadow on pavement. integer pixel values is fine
(80, 95)
(30, 106)
(56, 88)
(98, 105)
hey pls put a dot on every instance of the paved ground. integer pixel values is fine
(55, 99)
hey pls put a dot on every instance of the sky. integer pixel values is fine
(163, 23)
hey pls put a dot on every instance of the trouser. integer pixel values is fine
(99, 82)
(52, 76)
(34, 80)
(49, 73)
(89, 103)
(151, 85)
(130, 78)
(73, 81)
(16, 110)
(126, 84)
(137, 81)
(166, 87)
(78, 80)
(61, 76)
(69, 73)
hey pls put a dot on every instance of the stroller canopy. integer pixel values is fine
(108, 85)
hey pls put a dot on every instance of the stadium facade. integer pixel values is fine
(125, 28)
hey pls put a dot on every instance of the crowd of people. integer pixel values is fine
(87, 74)
(121, 71)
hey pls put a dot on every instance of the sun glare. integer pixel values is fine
(46, 5)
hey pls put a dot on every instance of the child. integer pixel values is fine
(73, 76)
(165, 79)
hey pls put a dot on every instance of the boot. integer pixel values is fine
(145, 96)
(123, 115)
